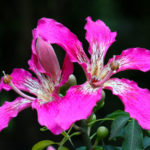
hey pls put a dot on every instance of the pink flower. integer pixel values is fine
(44, 89)
(82, 98)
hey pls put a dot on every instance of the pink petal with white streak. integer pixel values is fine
(133, 58)
(10, 110)
(34, 64)
(136, 100)
(100, 38)
(56, 33)
(19, 76)
(47, 114)
(77, 104)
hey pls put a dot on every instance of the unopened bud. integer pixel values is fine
(71, 81)
(102, 132)
(47, 58)
(101, 103)
(7, 79)
(91, 120)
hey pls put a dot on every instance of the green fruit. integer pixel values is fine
(102, 132)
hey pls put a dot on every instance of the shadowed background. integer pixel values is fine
(131, 20)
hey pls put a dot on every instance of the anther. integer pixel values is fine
(114, 65)
(7, 78)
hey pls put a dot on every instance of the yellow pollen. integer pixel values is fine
(114, 66)
(7, 79)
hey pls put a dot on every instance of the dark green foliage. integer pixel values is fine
(133, 136)
(117, 125)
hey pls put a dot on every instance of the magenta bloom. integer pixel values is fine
(82, 98)
(44, 88)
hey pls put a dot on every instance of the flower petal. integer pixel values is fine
(47, 114)
(67, 70)
(34, 64)
(133, 58)
(51, 148)
(100, 38)
(77, 104)
(19, 76)
(48, 58)
(135, 99)
(10, 110)
(56, 33)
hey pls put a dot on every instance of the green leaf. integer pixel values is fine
(117, 125)
(63, 148)
(42, 144)
(133, 136)
(110, 147)
(116, 113)
(81, 148)
(146, 142)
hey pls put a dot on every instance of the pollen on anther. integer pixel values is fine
(114, 66)
(7, 78)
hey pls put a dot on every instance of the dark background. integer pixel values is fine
(130, 18)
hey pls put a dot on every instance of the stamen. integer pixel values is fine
(101, 82)
(114, 65)
(7, 79)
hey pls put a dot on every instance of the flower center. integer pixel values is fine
(42, 89)
(105, 74)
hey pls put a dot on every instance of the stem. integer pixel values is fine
(95, 144)
(85, 137)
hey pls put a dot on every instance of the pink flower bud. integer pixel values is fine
(47, 58)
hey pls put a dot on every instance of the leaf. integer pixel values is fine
(63, 148)
(133, 136)
(110, 147)
(116, 113)
(42, 144)
(146, 142)
(81, 148)
(117, 125)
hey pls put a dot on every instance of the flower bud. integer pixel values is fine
(71, 81)
(91, 120)
(101, 103)
(47, 58)
(102, 132)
